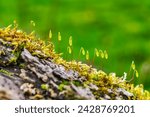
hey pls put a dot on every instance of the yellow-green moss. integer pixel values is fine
(44, 86)
(37, 47)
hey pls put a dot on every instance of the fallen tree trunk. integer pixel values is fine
(25, 74)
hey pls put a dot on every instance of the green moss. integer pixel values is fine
(61, 87)
(6, 72)
(77, 83)
(13, 60)
(44, 86)
(22, 65)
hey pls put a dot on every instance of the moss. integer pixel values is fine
(6, 72)
(2, 52)
(19, 40)
(22, 65)
(61, 87)
(77, 83)
(44, 86)
(63, 84)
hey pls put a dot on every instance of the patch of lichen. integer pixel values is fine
(37, 47)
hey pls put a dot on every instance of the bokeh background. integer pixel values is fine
(122, 27)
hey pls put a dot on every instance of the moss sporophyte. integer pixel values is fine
(39, 48)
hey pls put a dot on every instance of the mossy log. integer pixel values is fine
(30, 69)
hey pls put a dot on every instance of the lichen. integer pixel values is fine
(102, 83)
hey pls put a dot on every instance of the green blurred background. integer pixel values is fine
(122, 27)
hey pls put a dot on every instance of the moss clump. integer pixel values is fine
(104, 82)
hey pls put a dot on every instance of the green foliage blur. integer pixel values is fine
(122, 27)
